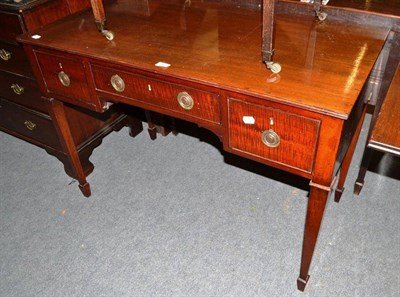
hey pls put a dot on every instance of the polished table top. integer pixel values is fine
(325, 65)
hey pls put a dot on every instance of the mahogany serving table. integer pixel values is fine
(201, 62)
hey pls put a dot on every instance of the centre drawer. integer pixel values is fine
(174, 97)
(272, 134)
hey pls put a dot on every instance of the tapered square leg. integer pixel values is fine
(301, 283)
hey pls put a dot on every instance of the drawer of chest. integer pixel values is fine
(30, 125)
(21, 90)
(11, 26)
(67, 77)
(174, 97)
(272, 134)
(13, 59)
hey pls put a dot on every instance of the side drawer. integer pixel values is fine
(30, 125)
(21, 90)
(13, 59)
(67, 77)
(272, 134)
(174, 97)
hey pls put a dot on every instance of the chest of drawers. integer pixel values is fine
(24, 113)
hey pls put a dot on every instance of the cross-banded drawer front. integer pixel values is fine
(174, 97)
(66, 76)
(273, 134)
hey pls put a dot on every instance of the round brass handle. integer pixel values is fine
(185, 100)
(17, 89)
(118, 83)
(5, 55)
(30, 125)
(64, 79)
(270, 138)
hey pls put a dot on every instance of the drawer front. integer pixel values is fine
(21, 90)
(11, 26)
(13, 59)
(272, 134)
(67, 77)
(31, 125)
(177, 98)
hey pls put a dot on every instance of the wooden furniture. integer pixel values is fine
(201, 62)
(23, 112)
(384, 132)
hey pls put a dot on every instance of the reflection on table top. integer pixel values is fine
(324, 64)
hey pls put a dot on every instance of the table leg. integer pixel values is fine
(135, 126)
(57, 113)
(348, 157)
(315, 210)
(363, 170)
(151, 127)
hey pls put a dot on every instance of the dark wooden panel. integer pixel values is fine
(35, 127)
(85, 124)
(78, 5)
(10, 26)
(298, 135)
(386, 132)
(21, 90)
(45, 14)
(14, 60)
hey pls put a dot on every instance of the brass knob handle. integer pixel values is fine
(270, 138)
(5, 55)
(118, 83)
(17, 89)
(30, 125)
(185, 100)
(64, 79)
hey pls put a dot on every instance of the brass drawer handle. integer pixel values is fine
(185, 100)
(17, 89)
(5, 55)
(64, 79)
(30, 125)
(270, 138)
(118, 83)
